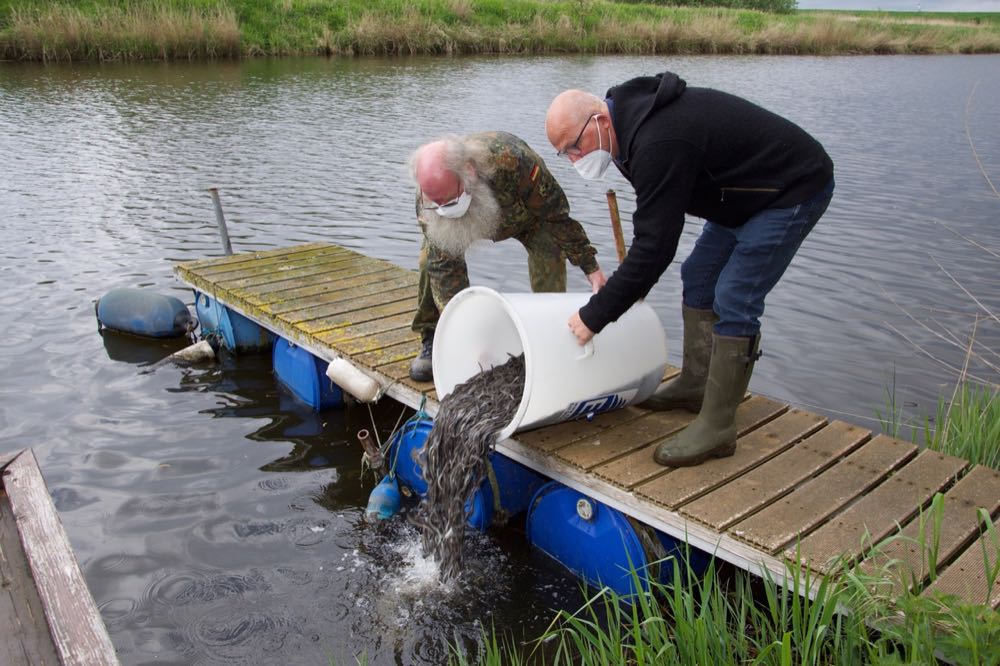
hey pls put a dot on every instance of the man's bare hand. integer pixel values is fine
(579, 329)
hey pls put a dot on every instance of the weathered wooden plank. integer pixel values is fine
(353, 302)
(299, 298)
(74, 621)
(813, 502)
(553, 437)
(879, 513)
(375, 341)
(336, 336)
(400, 371)
(386, 355)
(778, 476)
(274, 292)
(297, 276)
(256, 266)
(639, 466)
(610, 444)
(967, 577)
(687, 483)
(905, 557)
(239, 257)
(24, 634)
(360, 314)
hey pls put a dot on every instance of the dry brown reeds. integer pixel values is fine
(159, 32)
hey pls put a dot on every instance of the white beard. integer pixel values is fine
(480, 222)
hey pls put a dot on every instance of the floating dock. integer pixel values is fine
(799, 485)
(47, 614)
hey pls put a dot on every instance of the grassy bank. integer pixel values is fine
(128, 30)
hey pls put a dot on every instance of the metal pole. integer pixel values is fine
(220, 218)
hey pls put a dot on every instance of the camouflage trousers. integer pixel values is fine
(442, 277)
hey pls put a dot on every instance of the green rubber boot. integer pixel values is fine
(685, 391)
(713, 433)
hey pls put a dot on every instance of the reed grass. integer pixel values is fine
(968, 425)
(184, 29)
(848, 617)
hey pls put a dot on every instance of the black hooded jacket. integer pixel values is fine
(703, 152)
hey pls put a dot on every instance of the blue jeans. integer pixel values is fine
(733, 270)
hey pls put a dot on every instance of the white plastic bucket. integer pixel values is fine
(480, 328)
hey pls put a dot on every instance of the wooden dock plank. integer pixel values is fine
(556, 436)
(390, 354)
(375, 341)
(905, 557)
(360, 314)
(879, 513)
(302, 298)
(777, 477)
(638, 466)
(812, 503)
(200, 265)
(336, 336)
(297, 276)
(967, 577)
(684, 484)
(356, 299)
(562, 434)
(274, 292)
(615, 442)
(257, 266)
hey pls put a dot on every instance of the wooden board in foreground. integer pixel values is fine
(47, 614)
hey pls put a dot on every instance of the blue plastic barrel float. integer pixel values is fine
(238, 333)
(506, 491)
(601, 544)
(304, 375)
(145, 313)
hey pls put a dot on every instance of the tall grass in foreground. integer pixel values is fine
(968, 426)
(848, 619)
(155, 29)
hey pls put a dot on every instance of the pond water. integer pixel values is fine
(217, 521)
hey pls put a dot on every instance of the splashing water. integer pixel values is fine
(455, 455)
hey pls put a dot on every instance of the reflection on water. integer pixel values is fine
(216, 520)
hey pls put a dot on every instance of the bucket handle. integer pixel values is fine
(588, 351)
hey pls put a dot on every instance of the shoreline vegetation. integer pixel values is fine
(112, 30)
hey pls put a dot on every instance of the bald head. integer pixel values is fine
(433, 171)
(567, 113)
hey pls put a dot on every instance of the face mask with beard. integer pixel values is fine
(453, 236)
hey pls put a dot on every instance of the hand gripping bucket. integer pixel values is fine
(480, 328)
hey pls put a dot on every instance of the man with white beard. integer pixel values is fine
(488, 186)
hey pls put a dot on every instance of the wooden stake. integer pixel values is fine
(616, 225)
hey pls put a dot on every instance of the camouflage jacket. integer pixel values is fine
(529, 197)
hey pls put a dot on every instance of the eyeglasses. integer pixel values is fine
(573, 148)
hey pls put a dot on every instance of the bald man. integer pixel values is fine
(759, 181)
(489, 186)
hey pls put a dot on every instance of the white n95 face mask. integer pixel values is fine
(594, 164)
(456, 208)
